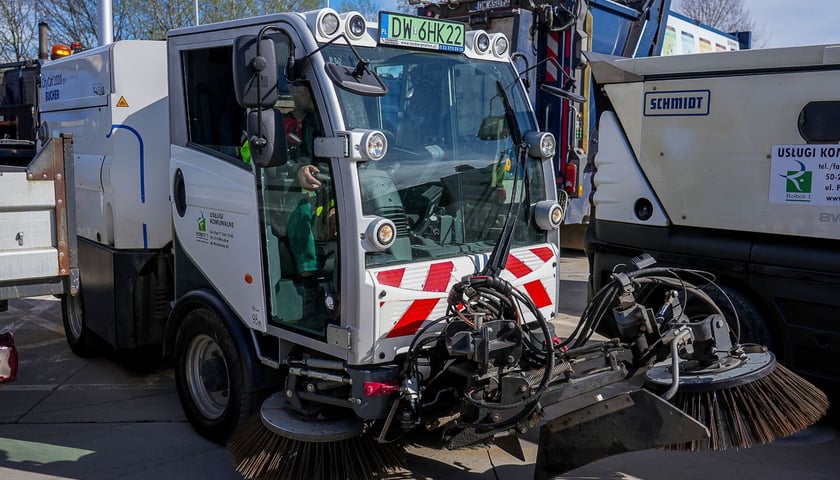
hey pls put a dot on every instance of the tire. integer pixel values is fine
(209, 376)
(755, 326)
(82, 341)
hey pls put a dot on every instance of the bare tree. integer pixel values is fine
(70, 21)
(151, 20)
(407, 7)
(76, 20)
(725, 15)
(18, 30)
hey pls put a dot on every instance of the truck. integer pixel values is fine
(552, 37)
(19, 104)
(348, 231)
(727, 163)
(18, 109)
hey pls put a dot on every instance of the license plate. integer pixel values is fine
(421, 32)
(488, 4)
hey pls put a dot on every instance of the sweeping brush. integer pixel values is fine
(258, 452)
(754, 403)
(739, 392)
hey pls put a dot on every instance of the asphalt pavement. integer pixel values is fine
(71, 418)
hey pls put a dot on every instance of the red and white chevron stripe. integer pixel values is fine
(552, 47)
(417, 293)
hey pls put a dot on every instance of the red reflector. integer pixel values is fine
(380, 389)
(8, 357)
(571, 179)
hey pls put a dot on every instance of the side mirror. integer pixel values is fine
(493, 127)
(559, 92)
(254, 76)
(358, 80)
(266, 138)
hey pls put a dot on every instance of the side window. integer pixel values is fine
(215, 120)
(301, 225)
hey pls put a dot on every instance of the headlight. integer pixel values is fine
(381, 234)
(482, 42)
(328, 24)
(375, 145)
(541, 144)
(356, 26)
(548, 215)
(500, 45)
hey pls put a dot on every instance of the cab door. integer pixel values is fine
(300, 223)
(215, 210)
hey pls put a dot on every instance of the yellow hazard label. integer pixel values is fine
(122, 102)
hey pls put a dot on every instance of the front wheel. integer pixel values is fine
(82, 341)
(209, 376)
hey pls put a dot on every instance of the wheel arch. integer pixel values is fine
(743, 296)
(256, 376)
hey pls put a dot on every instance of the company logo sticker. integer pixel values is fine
(798, 184)
(201, 229)
(805, 174)
(678, 103)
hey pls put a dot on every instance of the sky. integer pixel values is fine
(780, 23)
(787, 23)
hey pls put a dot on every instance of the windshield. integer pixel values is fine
(450, 176)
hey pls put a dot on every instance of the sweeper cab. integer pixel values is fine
(349, 230)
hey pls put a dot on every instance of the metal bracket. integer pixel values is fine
(328, 147)
(339, 336)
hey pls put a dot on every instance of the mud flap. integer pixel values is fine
(627, 422)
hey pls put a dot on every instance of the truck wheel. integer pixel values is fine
(755, 327)
(209, 377)
(82, 341)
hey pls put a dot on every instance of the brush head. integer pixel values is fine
(279, 417)
(744, 403)
(728, 372)
(258, 452)
(284, 444)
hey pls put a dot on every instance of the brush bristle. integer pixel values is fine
(260, 453)
(774, 406)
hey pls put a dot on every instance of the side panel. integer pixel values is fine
(114, 101)
(135, 171)
(219, 229)
(27, 220)
(38, 245)
(111, 294)
(619, 183)
(710, 165)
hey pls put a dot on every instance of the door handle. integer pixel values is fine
(180, 193)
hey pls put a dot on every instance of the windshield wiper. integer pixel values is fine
(498, 257)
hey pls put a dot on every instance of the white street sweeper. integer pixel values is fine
(351, 228)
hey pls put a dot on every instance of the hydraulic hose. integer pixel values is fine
(675, 364)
